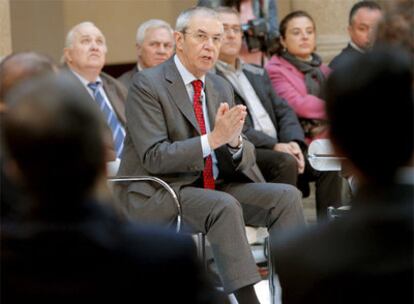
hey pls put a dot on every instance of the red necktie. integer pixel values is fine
(208, 179)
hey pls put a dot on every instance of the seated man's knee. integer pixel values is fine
(281, 167)
(226, 204)
(288, 162)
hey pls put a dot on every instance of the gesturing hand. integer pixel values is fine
(228, 125)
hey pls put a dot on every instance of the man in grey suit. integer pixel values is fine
(84, 54)
(183, 127)
(154, 45)
(273, 126)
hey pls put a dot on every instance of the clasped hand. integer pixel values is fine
(228, 126)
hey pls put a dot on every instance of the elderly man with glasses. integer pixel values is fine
(183, 126)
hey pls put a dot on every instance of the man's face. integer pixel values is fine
(157, 47)
(198, 47)
(232, 39)
(88, 50)
(363, 26)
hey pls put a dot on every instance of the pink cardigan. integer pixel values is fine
(289, 83)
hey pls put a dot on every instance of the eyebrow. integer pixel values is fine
(204, 32)
(299, 28)
(91, 36)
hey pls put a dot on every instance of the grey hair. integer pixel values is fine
(186, 15)
(151, 24)
(73, 30)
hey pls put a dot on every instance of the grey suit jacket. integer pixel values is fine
(281, 114)
(127, 77)
(163, 137)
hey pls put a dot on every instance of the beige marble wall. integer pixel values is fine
(37, 25)
(331, 18)
(119, 19)
(41, 25)
(5, 32)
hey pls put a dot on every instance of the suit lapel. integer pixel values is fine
(114, 99)
(211, 101)
(258, 85)
(178, 93)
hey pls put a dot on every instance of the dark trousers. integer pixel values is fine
(280, 167)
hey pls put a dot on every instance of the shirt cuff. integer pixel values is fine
(205, 145)
(237, 152)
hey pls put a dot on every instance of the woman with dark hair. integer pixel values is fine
(297, 72)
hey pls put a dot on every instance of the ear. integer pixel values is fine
(12, 170)
(179, 40)
(282, 42)
(138, 48)
(349, 28)
(67, 55)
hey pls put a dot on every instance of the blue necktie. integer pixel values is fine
(111, 118)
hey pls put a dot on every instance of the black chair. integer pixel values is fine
(322, 158)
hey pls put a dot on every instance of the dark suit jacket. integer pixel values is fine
(346, 54)
(365, 257)
(116, 93)
(126, 78)
(162, 137)
(283, 117)
(86, 255)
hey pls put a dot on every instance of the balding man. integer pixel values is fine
(84, 54)
(15, 69)
(154, 45)
(18, 67)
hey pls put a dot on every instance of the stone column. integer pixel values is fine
(331, 18)
(5, 30)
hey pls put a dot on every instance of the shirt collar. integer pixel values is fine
(357, 47)
(223, 66)
(84, 81)
(187, 77)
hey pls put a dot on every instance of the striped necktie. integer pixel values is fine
(118, 132)
(208, 179)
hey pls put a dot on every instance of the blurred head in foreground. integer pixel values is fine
(372, 107)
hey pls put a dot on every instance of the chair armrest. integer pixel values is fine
(170, 190)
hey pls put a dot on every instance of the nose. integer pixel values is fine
(230, 33)
(94, 45)
(161, 49)
(209, 43)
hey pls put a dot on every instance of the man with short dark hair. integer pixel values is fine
(363, 21)
(154, 45)
(68, 247)
(183, 126)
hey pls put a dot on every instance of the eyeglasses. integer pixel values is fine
(202, 37)
(235, 29)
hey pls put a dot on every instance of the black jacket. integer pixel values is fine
(283, 117)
